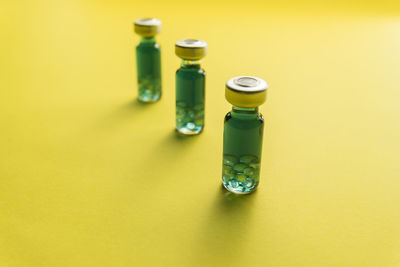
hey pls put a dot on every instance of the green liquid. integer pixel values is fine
(243, 135)
(190, 94)
(148, 60)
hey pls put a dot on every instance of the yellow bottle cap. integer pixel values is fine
(191, 49)
(147, 27)
(246, 91)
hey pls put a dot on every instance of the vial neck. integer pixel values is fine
(148, 40)
(190, 63)
(244, 113)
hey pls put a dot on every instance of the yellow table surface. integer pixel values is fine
(89, 177)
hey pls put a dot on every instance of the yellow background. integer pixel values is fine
(89, 177)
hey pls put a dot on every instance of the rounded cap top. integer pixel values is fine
(246, 91)
(147, 27)
(191, 49)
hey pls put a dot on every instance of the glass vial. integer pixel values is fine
(190, 86)
(148, 60)
(243, 134)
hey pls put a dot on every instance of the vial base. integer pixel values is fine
(189, 120)
(240, 174)
(190, 129)
(239, 188)
(149, 90)
(147, 96)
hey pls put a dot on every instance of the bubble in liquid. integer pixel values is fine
(227, 176)
(240, 167)
(248, 182)
(227, 167)
(249, 171)
(229, 172)
(230, 160)
(190, 125)
(255, 165)
(248, 159)
(241, 177)
(233, 183)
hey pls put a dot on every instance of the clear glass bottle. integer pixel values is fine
(148, 60)
(190, 86)
(243, 134)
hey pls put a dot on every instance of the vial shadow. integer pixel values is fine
(132, 106)
(226, 228)
(174, 140)
(125, 112)
(167, 157)
(108, 123)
